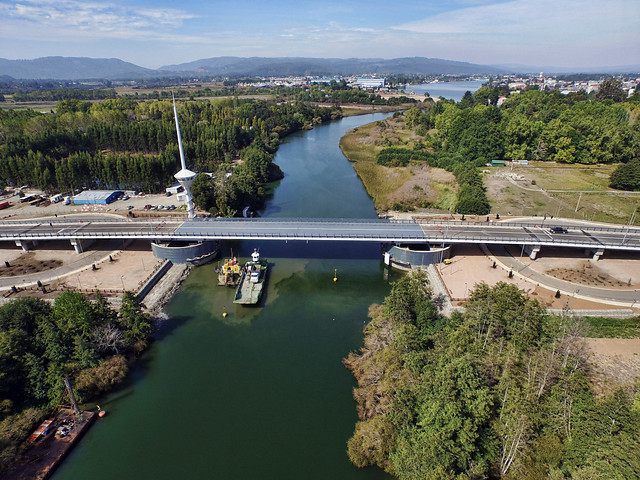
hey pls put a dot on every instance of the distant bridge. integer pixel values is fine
(595, 238)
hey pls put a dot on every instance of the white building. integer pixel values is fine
(370, 82)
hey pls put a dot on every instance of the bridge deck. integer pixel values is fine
(429, 232)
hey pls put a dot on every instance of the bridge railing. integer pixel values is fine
(439, 222)
(631, 242)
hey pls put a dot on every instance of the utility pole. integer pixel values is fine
(633, 215)
(578, 204)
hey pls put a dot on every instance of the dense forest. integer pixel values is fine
(532, 125)
(499, 391)
(41, 344)
(125, 144)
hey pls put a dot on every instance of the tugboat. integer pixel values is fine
(252, 281)
(229, 274)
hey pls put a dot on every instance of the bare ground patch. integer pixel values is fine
(588, 274)
(614, 362)
(27, 263)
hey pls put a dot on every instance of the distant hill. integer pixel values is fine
(73, 68)
(84, 68)
(283, 66)
(550, 69)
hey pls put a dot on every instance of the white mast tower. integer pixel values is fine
(184, 176)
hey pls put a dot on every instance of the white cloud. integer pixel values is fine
(37, 19)
(524, 19)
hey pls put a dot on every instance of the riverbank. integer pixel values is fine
(396, 187)
(38, 462)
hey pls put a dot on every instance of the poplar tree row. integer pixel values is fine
(120, 143)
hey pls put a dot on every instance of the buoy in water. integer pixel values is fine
(224, 314)
(335, 275)
(102, 413)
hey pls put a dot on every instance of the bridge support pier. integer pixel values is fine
(596, 252)
(80, 244)
(25, 244)
(532, 251)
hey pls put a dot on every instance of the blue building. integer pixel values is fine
(96, 197)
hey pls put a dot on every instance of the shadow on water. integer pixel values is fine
(166, 329)
(305, 249)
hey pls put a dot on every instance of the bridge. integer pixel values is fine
(532, 236)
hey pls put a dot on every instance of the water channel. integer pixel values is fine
(261, 393)
(449, 90)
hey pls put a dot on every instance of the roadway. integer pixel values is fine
(592, 236)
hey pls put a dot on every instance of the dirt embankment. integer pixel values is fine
(614, 362)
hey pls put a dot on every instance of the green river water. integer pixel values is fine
(262, 393)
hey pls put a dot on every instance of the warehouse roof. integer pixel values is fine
(95, 196)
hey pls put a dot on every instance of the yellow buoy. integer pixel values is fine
(335, 275)
(224, 314)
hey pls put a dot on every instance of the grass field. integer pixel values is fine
(415, 185)
(601, 327)
(554, 190)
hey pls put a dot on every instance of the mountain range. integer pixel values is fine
(72, 68)
(84, 68)
(283, 66)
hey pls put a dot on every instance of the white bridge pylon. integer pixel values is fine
(184, 176)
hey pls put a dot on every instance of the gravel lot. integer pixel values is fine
(119, 207)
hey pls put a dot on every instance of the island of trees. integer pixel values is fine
(499, 391)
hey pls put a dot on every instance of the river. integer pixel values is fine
(449, 90)
(261, 393)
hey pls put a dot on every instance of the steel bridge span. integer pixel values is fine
(533, 236)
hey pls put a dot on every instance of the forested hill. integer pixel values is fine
(282, 66)
(73, 68)
(82, 68)
(500, 391)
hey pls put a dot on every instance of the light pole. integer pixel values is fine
(629, 224)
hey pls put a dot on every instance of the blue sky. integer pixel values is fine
(573, 33)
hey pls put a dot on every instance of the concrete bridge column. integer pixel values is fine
(26, 244)
(80, 244)
(532, 250)
(596, 252)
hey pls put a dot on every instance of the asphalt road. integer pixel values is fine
(577, 236)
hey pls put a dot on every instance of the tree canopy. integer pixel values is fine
(120, 143)
(499, 391)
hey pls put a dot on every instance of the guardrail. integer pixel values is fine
(631, 243)
(360, 221)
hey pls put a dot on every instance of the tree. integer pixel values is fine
(611, 89)
(203, 191)
(626, 176)
(135, 323)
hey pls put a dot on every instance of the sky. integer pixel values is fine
(566, 33)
